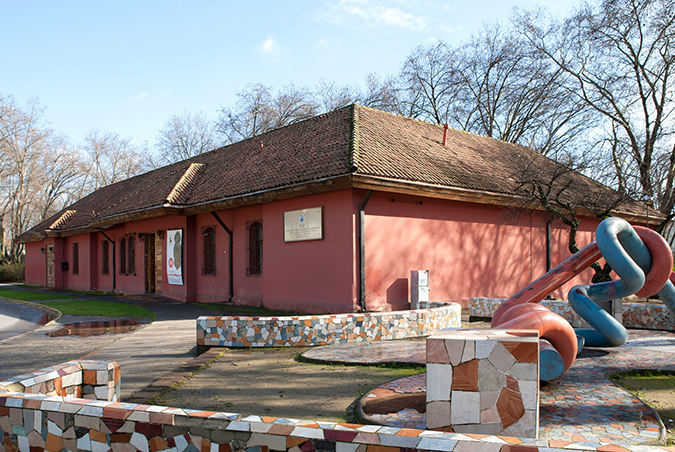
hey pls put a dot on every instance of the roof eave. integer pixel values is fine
(322, 185)
(475, 196)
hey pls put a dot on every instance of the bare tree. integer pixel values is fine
(185, 136)
(496, 85)
(512, 93)
(619, 54)
(258, 111)
(26, 151)
(331, 96)
(561, 191)
(429, 84)
(107, 158)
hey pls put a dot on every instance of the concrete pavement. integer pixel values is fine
(16, 319)
(144, 355)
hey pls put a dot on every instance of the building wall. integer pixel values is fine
(316, 276)
(470, 250)
(35, 264)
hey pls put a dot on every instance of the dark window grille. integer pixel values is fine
(209, 267)
(131, 243)
(254, 249)
(123, 264)
(76, 259)
(104, 257)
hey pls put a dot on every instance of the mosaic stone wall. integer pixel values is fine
(324, 329)
(647, 316)
(483, 382)
(97, 380)
(36, 422)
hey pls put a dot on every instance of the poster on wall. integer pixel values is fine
(174, 257)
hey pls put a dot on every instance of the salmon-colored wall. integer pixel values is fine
(470, 250)
(81, 281)
(36, 272)
(316, 275)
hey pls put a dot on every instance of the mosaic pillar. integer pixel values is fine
(483, 381)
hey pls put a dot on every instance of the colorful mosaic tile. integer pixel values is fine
(324, 329)
(582, 410)
(483, 382)
(651, 316)
(98, 380)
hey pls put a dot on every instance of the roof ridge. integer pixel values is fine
(141, 190)
(186, 181)
(62, 219)
(355, 150)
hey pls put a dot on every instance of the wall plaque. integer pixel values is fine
(305, 224)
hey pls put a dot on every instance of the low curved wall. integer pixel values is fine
(647, 316)
(313, 330)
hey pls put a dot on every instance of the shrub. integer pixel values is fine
(12, 273)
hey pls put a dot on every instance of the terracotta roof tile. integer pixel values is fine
(351, 140)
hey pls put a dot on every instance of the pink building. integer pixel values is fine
(327, 215)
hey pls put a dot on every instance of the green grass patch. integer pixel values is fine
(656, 388)
(26, 295)
(227, 309)
(101, 308)
(94, 292)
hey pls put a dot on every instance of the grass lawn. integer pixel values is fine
(26, 295)
(245, 310)
(657, 389)
(101, 308)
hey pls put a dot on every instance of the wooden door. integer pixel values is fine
(153, 264)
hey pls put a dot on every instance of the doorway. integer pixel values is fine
(50, 266)
(153, 263)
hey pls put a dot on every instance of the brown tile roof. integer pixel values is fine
(350, 142)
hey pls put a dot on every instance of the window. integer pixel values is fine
(123, 264)
(104, 257)
(254, 254)
(76, 259)
(209, 267)
(131, 243)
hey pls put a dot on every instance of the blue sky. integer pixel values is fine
(128, 66)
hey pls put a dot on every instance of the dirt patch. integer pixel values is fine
(657, 389)
(271, 382)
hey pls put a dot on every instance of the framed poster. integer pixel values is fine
(174, 257)
(305, 224)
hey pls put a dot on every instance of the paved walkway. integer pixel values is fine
(144, 355)
(581, 410)
(16, 319)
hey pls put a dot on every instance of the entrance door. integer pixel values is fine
(153, 264)
(50, 266)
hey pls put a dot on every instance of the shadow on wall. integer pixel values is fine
(464, 259)
(397, 294)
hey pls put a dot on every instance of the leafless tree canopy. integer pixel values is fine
(619, 55)
(259, 109)
(594, 87)
(185, 136)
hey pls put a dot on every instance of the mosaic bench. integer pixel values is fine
(324, 329)
(483, 381)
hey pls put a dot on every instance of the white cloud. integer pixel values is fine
(147, 96)
(373, 13)
(270, 47)
(138, 98)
